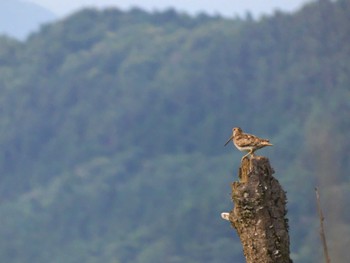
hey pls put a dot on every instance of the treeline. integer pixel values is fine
(113, 123)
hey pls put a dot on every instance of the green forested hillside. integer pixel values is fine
(113, 123)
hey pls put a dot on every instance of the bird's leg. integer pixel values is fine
(245, 156)
(251, 152)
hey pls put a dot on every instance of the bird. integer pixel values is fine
(247, 142)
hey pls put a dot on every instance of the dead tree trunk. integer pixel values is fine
(259, 213)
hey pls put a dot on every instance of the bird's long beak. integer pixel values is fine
(229, 140)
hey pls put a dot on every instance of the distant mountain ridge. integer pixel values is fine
(19, 18)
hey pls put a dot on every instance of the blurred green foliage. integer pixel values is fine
(113, 123)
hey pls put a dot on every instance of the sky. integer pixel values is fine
(228, 8)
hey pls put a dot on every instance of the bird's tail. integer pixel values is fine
(267, 143)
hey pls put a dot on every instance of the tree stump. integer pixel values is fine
(259, 214)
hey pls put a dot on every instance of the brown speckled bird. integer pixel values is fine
(247, 142)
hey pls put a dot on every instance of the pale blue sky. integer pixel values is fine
(223, 7)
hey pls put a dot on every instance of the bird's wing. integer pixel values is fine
(245, 140)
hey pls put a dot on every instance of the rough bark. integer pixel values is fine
(259, 214)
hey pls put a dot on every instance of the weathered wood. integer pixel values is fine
(259, 214)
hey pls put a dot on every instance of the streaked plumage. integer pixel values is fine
(247, 142)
